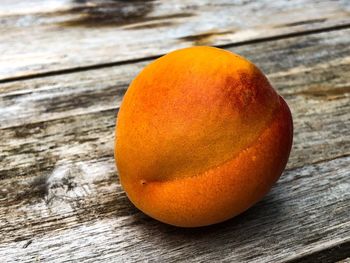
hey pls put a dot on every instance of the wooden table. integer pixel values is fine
(64, 67)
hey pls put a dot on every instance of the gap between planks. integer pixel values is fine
(320, 132)
(144, 59)
(315, 195)
(87, 41)
(321, 127)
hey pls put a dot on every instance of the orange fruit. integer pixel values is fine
(201, 136)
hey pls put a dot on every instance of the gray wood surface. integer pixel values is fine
(290, 221)
(60, 198)
(37, 37)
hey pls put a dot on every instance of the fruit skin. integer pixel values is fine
(201, 136)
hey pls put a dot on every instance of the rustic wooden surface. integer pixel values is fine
(79, 34)
(62, 84)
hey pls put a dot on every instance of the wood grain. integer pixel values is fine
(87, 101)
(347, 260)
(60, 198)
(59, 35)
(307, 211)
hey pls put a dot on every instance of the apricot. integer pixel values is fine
(201, 136)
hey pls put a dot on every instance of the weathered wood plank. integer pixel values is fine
(68, 34)
(60, 194)
(34, 149)
(305, 212)
(330, 254)
(314, 82)
(54, 97)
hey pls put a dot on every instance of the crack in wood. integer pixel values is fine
(148, 58)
